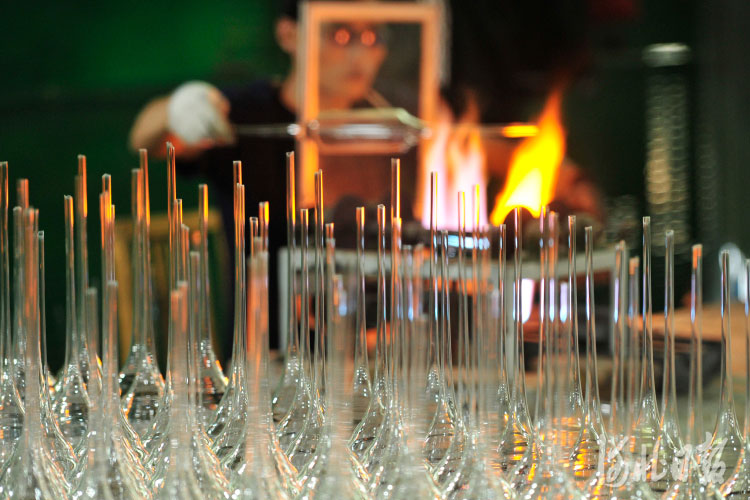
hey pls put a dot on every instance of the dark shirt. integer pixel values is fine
(263, 173)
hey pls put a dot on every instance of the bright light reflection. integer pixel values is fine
(563, 301)
(527, 298)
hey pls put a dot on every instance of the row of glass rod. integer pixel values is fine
(418, 425)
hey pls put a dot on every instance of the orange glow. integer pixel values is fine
(519, 130)
(456, 154)
(534, 166)
(368, 38)
(342, 36)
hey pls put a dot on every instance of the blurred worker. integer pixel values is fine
(199, 120)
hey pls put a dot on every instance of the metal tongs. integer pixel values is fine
(374, 131)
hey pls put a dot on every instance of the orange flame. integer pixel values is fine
(534, 166)
(457, 155)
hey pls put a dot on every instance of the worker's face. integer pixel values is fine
(350, 57)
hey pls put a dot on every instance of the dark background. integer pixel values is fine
(72, 78)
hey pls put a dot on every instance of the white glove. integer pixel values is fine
(197, 111)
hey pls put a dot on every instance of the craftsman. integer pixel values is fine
(198, 119)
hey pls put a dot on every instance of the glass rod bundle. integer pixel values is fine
(442, 407)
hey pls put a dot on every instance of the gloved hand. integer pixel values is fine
(197, 112)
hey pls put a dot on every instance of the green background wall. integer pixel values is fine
(74, 75)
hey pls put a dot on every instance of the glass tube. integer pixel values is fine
(46, 390)
(421, 320)
(79, 275)
(109, 465)
(254, 238)
(448, 400)
(132, 442)
(726, 442)
(284, 393)
(402, 470)
(19, 334)
(319, 378)
(11, 407)
(443, 424)
(499, 405)
(105, 208)
(71, 402)
(738, 483)
(371, 423)
(549, 480)
(361, 388)
(94, 483)
(419, 369)
(540, 409)
(365, 437)
(575, 401)
(516, 437)
(592, 437)
(258, 476)
(695, 419)
(18, 325)
(476, 477)
(291, 424)
(32, 471)
(227, 426)
(568, 423)
(646, 425)
(479, 283)
(130, 368)
(626, 471)
(549, 314)
(497, 384)
(93, 364)
(411, 478)
(58, 442)
(335, 476)
(619, 338)
(171, 198)
(145, 394)
(691, 482)
(302, 452)
(527, 463)
(157, 434)
(211, 377)
(634, 338)
(287, 474)
(383, 458)
(409, 325)
(669, 441)
(58, 446)
(325, 469)
(480, 480)
(179, 480)
(82, 268)
(127, 476)
(402, 473)
(126, 450)
(619, 294)
(487, 346)
(206, 466)
(446, 472)
(599, 484)
(395, 322)
(433, 386)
